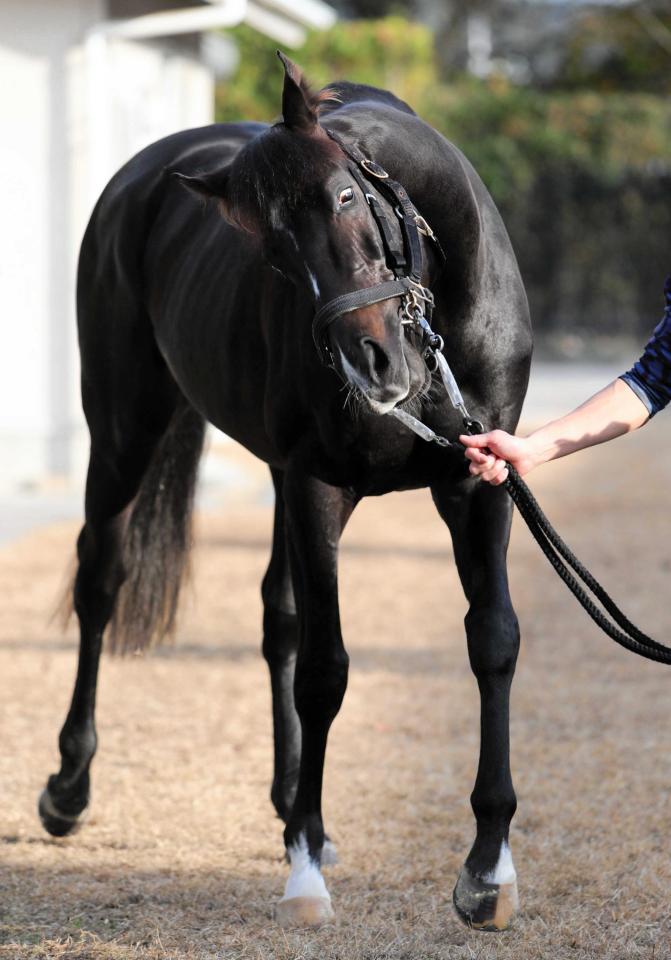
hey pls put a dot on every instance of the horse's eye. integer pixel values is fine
(345, 196)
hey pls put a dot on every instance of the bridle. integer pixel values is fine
(404, 260)
(407, 263)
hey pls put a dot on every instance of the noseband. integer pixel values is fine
(405, 260)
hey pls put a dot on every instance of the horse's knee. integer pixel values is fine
(280, 637)
(320, 684)
(493, 640)
(277, 589)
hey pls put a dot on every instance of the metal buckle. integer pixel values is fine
(412, 309)
(420, 223)
(418, 294)
(374, 169)
(423, 226)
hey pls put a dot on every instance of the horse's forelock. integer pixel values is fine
(280, 170)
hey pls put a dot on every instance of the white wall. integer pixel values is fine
(33, 167)
(59, 145)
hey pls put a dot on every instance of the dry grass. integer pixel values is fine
(181, 857)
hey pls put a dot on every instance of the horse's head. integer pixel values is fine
(293, 187)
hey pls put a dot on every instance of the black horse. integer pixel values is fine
(197, 305)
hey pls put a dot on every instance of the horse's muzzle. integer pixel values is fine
(379, 375)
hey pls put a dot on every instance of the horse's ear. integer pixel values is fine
(297, 110)
(207, 185)
(216, 186)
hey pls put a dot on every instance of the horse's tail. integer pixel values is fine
(157, 538)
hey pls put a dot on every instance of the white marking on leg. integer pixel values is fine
(305, 879)
(504, 871)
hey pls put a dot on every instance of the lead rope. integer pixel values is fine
(557, 552)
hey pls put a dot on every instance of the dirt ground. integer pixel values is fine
(182, 857)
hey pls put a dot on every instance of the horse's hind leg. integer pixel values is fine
(486, 892)
(111, 485)
(129, 398)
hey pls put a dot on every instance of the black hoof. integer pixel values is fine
(55, 821)
(485, 906)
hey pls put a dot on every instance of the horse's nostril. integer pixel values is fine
(376, 357)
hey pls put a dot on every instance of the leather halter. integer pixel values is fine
(405, 261)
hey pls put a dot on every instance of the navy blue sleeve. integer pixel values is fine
(650, 377)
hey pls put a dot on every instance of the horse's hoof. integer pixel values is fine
(485, 906)
(304, 911)
(55, 821)
(329, 856)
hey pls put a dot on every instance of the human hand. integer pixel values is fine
(488, 453)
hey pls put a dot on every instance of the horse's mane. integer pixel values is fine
(277, 172)
(342, 93)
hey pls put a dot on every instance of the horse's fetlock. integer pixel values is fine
(493, 808)
(306, 829)
(283, 794)
(78, 744)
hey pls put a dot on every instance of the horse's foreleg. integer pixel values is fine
(486, 892)
(316, 515)
(280, 645)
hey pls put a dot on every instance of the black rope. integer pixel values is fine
(559, 555)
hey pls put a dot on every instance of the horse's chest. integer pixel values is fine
(379, 458)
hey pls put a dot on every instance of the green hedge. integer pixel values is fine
(512, 133)
(393, 53)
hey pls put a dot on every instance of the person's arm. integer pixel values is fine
(615, 410)
(624, 405)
